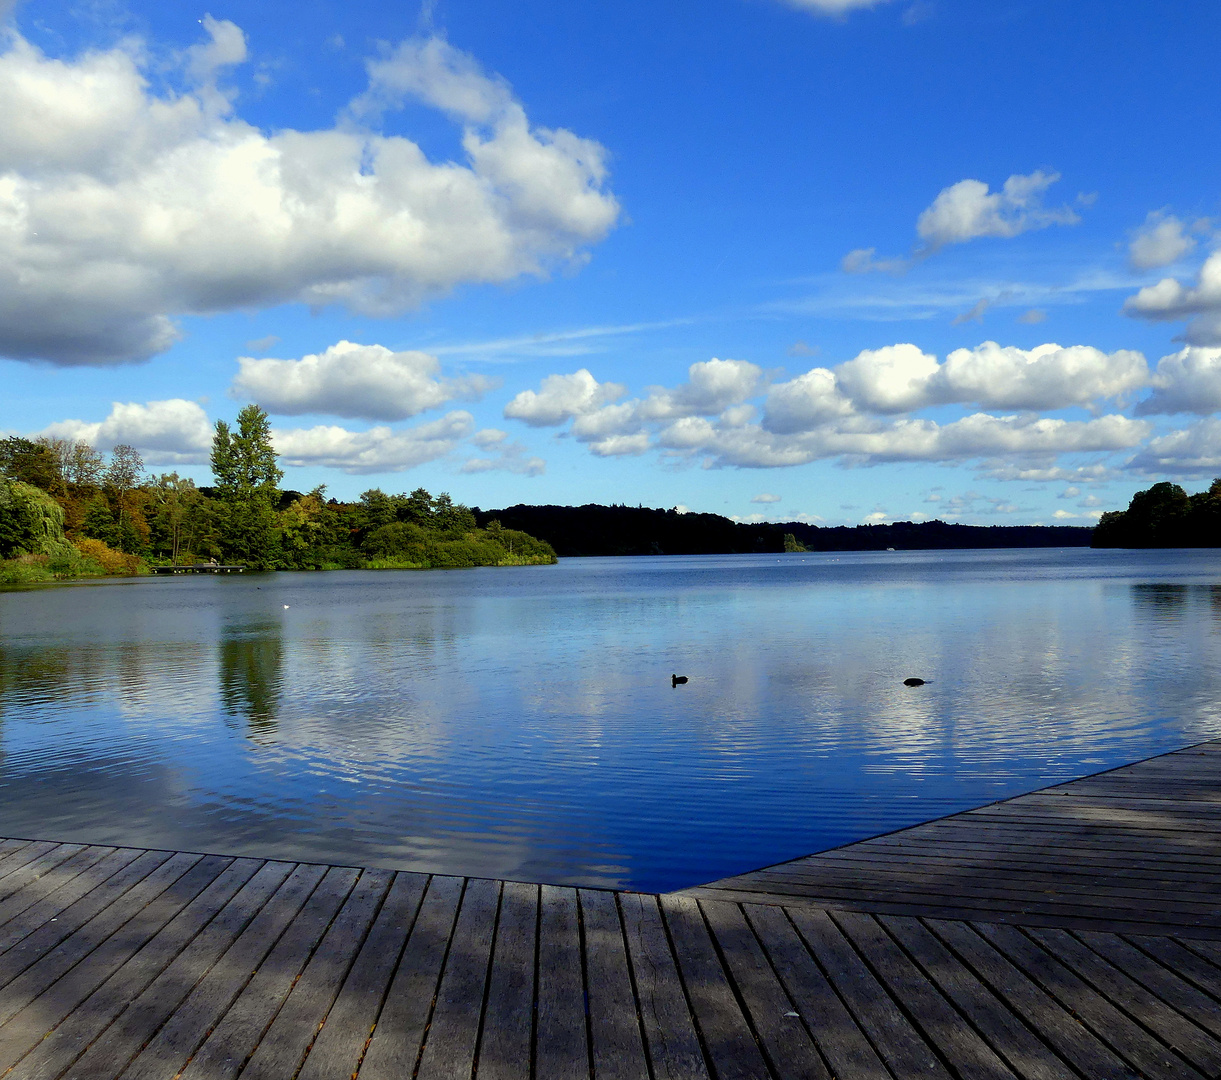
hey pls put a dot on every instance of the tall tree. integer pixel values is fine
(122, 476)
(247, 479)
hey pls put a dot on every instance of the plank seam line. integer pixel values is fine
(436, 989)
(932, 980)
(538, 978)
(300, 970)
(893, 994)
(119, 970)
(738, 996)
(682, 982)
(398, 959)
(339, 981)
(631, 976)
(997, 992)
(834, 986)
(487, 978)
(581, 948)
(1095, 1029)
(1213, 991)
(805, 1023)
(246, 982)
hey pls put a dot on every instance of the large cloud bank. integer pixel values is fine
(859, 411)
(122, 206)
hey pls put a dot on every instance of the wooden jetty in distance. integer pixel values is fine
(199, 568)
(1073, 932)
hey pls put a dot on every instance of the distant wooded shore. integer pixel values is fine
(638, 530)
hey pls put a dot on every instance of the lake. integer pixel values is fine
(521, 723)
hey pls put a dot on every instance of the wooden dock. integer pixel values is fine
(1074, 932)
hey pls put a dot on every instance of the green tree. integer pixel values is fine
(121, 478)
(247, 485)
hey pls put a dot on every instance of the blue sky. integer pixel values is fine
(828, 260)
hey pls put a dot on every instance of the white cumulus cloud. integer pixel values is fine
(1192, 451)
(561, 397)
(504, 455)
(380, 449)
(173, 432)
(1160, 241)
(1170, 301)
(364, 382)
(968, 210)
(122, 206)
(1188, 381)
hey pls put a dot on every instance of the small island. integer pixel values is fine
(65, 512)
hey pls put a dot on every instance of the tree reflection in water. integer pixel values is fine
(251, 674)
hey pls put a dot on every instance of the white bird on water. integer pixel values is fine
(285, 607)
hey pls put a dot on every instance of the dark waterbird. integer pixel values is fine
(675, 680)
(913, 682)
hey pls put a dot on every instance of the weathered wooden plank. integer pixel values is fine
(839, 1038)
(898, 903)
(69, 976)
(561, 1047)
(187, 1027)
(22, 854)
(727, 1037)
(932, 911)
(1183, 962)
(942, 1026)
(43, 925)
(778, 1024)
(141, 882)
(1151, 1057)
(62, 1046)
(283, 1046)
(50, 874)
(670, 1036)
(1167, 984)
(1026, 1054)
(340, 1044)
(453, 1032)
(966, 887)
(1070, 1038)
(1174, 1029)
(894, 1038)
(399, 1034)
(616, 1043)
(506, 1045)
(234, 1036)
(155, 1006)
(42, 861)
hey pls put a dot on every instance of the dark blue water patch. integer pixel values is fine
(522, 722)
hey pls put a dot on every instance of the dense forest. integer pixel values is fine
(67, 511)
(638, 530)
(1164, 516)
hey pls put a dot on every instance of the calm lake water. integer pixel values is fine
(520, 722)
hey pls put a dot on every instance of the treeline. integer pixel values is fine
(68, 511)
(1164, 516)
(628, 530)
